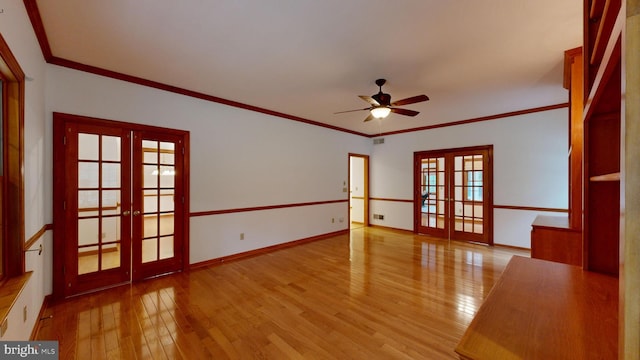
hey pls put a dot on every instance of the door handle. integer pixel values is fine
(136, 213)
(126, 213)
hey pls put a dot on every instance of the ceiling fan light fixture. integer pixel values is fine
(380, 112)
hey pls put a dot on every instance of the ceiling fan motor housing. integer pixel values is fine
(382, 98)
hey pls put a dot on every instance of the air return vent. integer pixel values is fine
(378, 141)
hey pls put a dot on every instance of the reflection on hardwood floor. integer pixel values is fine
(372, 293)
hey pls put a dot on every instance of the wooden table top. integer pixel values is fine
(545, 310)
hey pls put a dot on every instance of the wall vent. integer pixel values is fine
(378, 216)
(378, 141)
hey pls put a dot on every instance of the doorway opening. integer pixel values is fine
(358, 191)
(453, 193)
(120, 203)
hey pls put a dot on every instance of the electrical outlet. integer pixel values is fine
(24, 314)
(241, 236)
(333, 220)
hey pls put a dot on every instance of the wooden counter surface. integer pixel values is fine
(545, 310)
(555, 222)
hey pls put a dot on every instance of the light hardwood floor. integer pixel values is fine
(372, 293)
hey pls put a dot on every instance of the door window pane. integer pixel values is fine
(111, 229)
(150, 176)
(150, 201)
(166, 224)
(150, 226)
(88, 147)
(166, 200)
(149, 152)
(111, 202)
(166, 247)
(87, 260)
(149, 250)
(110, 175)
(87, 201)
(110, 148)
(110, 256)
(88, 175)
(87, 231)
(167, 174)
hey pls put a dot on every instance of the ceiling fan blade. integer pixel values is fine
(342, 112)
(369, 118)
(404, 112)
(411, 100)
(369, 99)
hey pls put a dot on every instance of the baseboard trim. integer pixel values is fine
(36, 326)
(264, 250)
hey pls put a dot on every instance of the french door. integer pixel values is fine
(119, 209)
(453, 193)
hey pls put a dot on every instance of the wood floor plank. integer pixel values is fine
(372, 294)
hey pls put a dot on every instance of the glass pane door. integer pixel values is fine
(101, 192)
(468, 193)
(433, 196)
(157, 182)
(119, 197)
(452, 193)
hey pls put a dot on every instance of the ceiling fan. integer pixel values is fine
(381, 104)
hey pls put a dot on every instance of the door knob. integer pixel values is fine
(136, 213)
(126, 213)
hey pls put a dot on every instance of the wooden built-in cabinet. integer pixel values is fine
(524, 316)
(603, 25)
(553, 239)
(559, 238)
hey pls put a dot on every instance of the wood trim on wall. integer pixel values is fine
(506, 207)
(478, 119)
(13, 121)
(260, 208)
(390, 199)
(530, 208)
(32, 240)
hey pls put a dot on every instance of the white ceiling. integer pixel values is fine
(310, 59)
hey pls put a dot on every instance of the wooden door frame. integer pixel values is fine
(12, 226)
(59, 244)
(488, 195)
(366, 188)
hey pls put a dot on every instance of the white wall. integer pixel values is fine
(16, 29)
(239, 159)
(530, 169)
